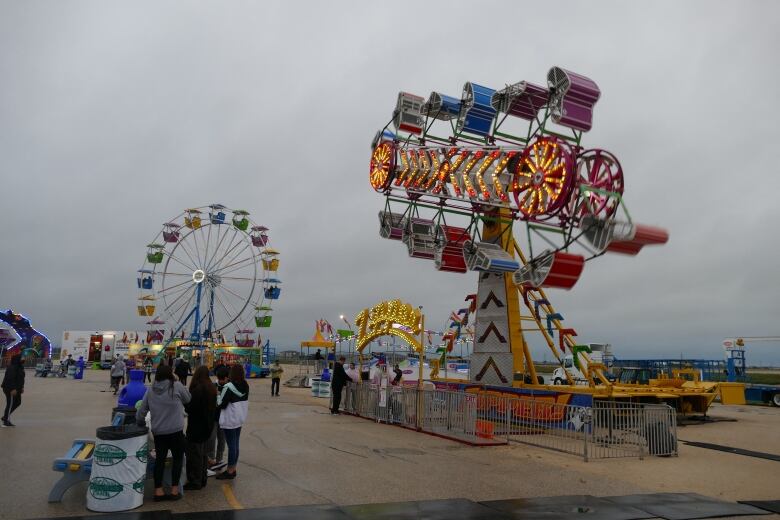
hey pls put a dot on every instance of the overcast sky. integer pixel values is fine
(116, 116)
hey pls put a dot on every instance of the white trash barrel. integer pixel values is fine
(320, 388)
(118, 468)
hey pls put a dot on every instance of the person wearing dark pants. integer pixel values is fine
(176, 444)
(165, 401)
(340, 379)
(182, 370)
(233, 402)
(200, 421)
(13, 386)
(276, 378)
(148, 369)
(216, 442)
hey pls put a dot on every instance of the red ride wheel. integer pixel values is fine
(543, 178)
(382, 165)
(601, 170)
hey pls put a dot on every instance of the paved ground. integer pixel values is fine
(293, 452)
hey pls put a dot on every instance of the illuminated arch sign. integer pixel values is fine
(389, 318)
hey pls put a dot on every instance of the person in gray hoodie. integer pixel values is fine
(165, 401)
(117, 373)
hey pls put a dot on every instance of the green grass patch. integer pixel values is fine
(764, 379)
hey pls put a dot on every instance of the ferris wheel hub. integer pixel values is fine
(199, 276)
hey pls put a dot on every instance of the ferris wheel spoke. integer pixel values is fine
(227, 312)
(231, 292)
(236, 256)
(228, 249)
(195, 246)
(216, 248)
(184, 307)
(168, 273)
(237, 266)
(166, 289)
(179, 297)
(243, 279)
(174, 295)
(217, 262)
(170, 254)
(208, 241)
(187, 251)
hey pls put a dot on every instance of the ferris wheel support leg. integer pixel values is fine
(196, 325)
(211, 314)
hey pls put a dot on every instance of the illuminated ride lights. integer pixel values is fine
(497, 159)
(484, 167)
(543, 179)
(382, 162)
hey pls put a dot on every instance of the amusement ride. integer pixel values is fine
(209, 271)
(461, 176)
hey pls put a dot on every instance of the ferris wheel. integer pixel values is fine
(209, 271)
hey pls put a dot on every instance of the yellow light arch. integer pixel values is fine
(389, 318)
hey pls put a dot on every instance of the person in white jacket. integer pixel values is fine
(233, 402)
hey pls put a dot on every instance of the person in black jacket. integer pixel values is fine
(201, 411)
(398, 375)
(340, 379)
(182, 370)
(13, 386)
(216, 443)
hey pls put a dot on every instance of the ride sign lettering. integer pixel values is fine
(392, 317)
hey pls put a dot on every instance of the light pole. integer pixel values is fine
(351, 338)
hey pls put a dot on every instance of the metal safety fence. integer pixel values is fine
(604, 430)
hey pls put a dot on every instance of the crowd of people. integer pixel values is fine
(215, 413)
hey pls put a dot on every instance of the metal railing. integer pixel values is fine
(605, 430)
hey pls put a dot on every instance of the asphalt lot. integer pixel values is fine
(293, 452)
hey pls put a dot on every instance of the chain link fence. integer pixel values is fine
(605, 430)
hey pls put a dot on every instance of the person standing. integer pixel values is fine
(165, 401)
(13, 387)
(398, 375)
(233, 402)
(354, 375)
(318, 362)
(182, 370)
(276, 377)
(340, 378)
(68, 362)
(217, 439)
(148, 368)
(117, 373)
(200, 421)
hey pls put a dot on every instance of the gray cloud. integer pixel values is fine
(115, 117)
